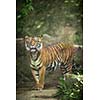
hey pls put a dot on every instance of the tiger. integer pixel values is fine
(48, 57)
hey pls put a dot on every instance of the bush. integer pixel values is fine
(71, 88)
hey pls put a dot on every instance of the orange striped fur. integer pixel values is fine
(42, 57)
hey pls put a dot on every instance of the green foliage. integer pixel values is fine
(25, 9)
(78, 39)
(37, 17)
(71, 88)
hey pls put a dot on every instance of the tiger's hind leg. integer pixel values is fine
(63, 71)
(66, 69)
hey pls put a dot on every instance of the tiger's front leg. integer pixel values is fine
(39, 77)
(42, 77)
(36, 78)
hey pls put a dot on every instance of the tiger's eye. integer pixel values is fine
(38, 45)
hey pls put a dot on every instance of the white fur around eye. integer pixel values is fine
(27, 48)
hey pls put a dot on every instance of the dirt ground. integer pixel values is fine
(26, 91)
(46, 94)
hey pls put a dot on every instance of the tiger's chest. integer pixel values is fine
(35, 64)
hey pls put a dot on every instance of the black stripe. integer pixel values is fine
(36, 69)
(39, 64)
(37, 74)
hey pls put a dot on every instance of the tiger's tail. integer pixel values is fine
(77, 47)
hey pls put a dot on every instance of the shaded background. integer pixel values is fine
(56, 20)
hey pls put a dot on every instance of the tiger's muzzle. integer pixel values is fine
(33, 49)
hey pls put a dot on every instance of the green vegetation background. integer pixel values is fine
(38, 17)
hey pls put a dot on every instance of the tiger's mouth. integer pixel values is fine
(34, 50)
(34, 53)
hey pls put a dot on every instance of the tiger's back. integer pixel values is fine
(55, 55)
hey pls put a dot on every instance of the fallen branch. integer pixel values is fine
(19, 39)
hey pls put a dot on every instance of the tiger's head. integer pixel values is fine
(33, 44)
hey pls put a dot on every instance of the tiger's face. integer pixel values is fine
(33, 44)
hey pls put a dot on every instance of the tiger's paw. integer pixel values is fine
(39, 87)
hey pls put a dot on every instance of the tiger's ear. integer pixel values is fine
(26, 37)
(40, 37)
